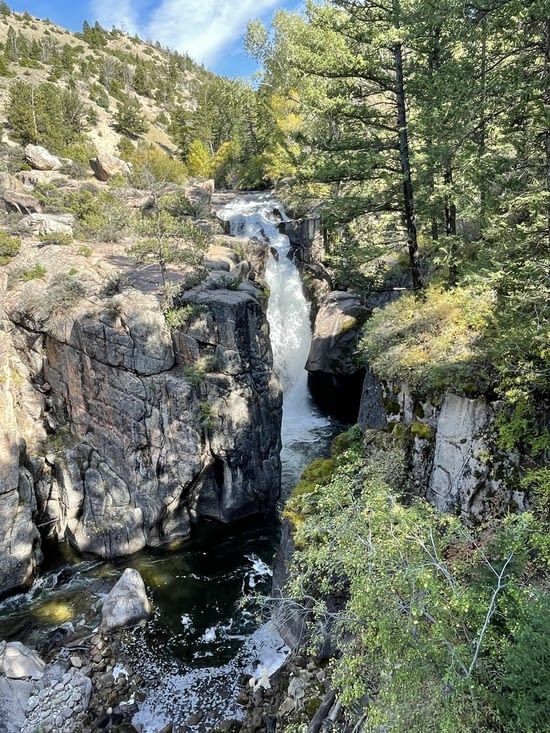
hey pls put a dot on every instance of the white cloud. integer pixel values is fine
(123, 14)
(202, 28)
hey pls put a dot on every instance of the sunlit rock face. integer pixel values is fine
(453, 456)
(149, 428)
(169, 430)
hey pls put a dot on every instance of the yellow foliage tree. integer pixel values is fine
(199, 160)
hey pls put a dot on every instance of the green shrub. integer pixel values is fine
(100, 214)
(440, 628)
(35, 272)
(55, 238)
(433, 343)
(207, 415)
(525, 693)
(150, 163)
(62, 292)
(195, 374)
(114, 284)
(180, 318)
(9, 247)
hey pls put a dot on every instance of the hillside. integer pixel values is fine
(104, 68)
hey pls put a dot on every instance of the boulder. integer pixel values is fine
(335, 376)
(14, 696)
(20, 203)
(220, 258)
(336, 333)
(127, 603)
(9, 182)
(40, 159)
(104, 166)
(49, 223)
(18, 662)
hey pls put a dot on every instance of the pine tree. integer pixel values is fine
(129, 119)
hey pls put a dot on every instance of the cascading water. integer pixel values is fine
(288, 313)
(204, 633)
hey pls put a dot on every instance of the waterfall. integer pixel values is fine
(288, 314)
(204, 634)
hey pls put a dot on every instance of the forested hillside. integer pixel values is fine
(420, 131)
(102, 91)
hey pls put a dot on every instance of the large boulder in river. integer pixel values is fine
(18, 662)
(127, 603)
(41, 159)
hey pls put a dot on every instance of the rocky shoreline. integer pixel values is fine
(86, 688)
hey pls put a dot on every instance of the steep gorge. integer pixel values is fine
(125, 431)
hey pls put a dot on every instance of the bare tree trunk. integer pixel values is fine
(434, 64)
(547, 110)
(483, 123)
(404, 155)
(450, 226)
(33, 111)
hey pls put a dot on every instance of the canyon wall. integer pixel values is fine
(119, 431)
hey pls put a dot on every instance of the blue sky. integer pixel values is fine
(210, 31)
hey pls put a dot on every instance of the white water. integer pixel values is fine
(288, 314)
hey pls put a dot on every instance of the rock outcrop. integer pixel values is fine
(105, 166)
(39, 223)
(335, 375)
(453, 458)
(41, 159)
(20, 202)
(127, 431)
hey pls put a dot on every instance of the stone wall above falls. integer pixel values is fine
(165, 434)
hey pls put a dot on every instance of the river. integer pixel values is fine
(205, 632)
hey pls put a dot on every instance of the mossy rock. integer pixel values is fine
(421, 430)
(418, 410)
(345, 441)
(316, 474)
(392, 407)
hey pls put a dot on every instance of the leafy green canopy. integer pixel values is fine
(440, 626)
(471, 179)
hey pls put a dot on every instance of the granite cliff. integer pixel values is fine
(119, 431)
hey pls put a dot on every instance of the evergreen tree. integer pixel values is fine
(34, 113)
(129, 119)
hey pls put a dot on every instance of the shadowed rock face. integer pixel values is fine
(335, 376)
(150, 429)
